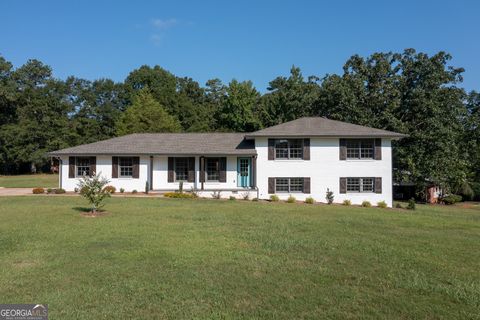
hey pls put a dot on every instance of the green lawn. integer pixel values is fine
(29, 181)
(154, 258)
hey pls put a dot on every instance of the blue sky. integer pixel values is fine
(246, 40)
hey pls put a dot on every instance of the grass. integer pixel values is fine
(154, 258)
(29, 181)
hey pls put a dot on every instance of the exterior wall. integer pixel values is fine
(160, 175)
(104, 167)
(325, 169)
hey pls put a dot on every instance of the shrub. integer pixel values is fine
(38, 190)
(134, 191)
(59, 191)
(245, 196)
(347, 202)
(309, 200)
(75, 190)
(179, 195)
(216, 195)
(122, 190)
(110, 189)
(232, 198)
(329, 196)
(274, 198)
(366, 204)
(194, 192)
(50, 190)
(411, 204)
(382, 204)
(93, 189)
(291, 199)
(398, 205)
(451, 199)
(180, 187)
(466, 191)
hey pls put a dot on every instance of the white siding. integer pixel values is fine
(325, 169)
(160, 175)
(104, 167)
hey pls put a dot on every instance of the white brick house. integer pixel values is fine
(303, 158)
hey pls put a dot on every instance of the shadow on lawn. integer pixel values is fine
(86, 210)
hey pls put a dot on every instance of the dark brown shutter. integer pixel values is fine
(343, 149)
(271, 149)
(191, 169)
(136, 167)
(171, 173)
(202, 169)
(93, 166)
(222, 169)
(378, 185)
(306, 185)
(71, 167)
(306, 149)
(114, 167)
(343, 185)
(378, 149)
(271, 185)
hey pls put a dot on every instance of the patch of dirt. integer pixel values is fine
(89, 214)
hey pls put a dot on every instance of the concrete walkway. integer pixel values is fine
(15, 191)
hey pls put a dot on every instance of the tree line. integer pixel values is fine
(408, 92)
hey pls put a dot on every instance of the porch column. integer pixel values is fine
(254, 171)
(202, 171)
(151, 173)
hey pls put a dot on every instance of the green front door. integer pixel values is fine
(243, 172)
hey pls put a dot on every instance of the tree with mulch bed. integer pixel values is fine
(93, 189)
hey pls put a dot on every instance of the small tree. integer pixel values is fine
(329, 196)
(92, 189)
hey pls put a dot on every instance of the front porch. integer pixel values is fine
(228, 174)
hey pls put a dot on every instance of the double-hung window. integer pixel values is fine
(288, 185)
(360, 185)
(83, 166)
(213, 169)
(360, 148)
(181, 169)
(126, 167)
(289, 149)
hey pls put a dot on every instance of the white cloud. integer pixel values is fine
(164, 23)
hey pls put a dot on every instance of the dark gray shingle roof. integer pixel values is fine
(168, 144)
(322, 127)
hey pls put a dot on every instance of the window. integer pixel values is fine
(289, 149)
(213, 170)
(360, 148)
(288, 185)
(181, 169)
(244, 167)
(126, 167)
(360, 185)
(83, 167)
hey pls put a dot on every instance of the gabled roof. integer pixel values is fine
(167, 144)
(322, 127)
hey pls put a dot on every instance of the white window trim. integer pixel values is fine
(361, 185)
